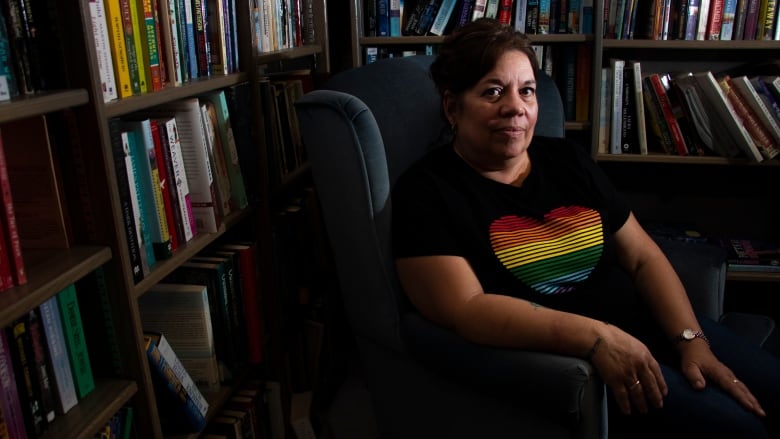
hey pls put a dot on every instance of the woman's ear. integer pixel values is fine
(449, 105)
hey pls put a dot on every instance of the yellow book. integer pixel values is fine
(118, 49)
(141, 45)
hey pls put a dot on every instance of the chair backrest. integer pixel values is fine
(361, 131)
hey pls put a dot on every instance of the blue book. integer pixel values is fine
(383, 18)
(134, 180)
(64, 387)
(8, 88)
(188, 30)
(395, 18)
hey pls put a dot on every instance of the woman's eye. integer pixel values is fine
(493, 91)
(528, 91)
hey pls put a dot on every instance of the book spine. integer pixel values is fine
(216, 157)
(639, 103)
(532, 17)
(176, 43)
(140, 43)
(442, 17)
(668, 113)
(715, 20)
(9, 396)
(8, 86)
(132, 55)
(29, 395)
(394, 12)
(177, 228)
(163, 249)
(118, 48)
(152, 46)
(18, 273)
(43, 379)
(767, 17)
(727, 20)
(428, 16)
(466, 10)
(170, 357)
(121, 170)
(746, 89)
(504, 15)
(238, 197)
(217, 42)
(249, 291)
(176, 393)
(201, 38)
(479, 9)
(133, 182)
(544, 17)
(616, 105)
(68, 304)
(103, 49)
(751, 20)
(163, 164)
(749, 120)
(65, 388)
(180, 177)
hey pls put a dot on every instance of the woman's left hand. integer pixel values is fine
(699, 364)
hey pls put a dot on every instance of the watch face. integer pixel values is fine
(688, 334)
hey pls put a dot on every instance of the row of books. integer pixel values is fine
(691, 113)
(691, 20)
(132, 48)
(30, 55)
(208, 312)
(440, 17)
(281, 24)
(178, 174)
(45, 368)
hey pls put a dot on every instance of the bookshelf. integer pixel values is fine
(721, 195)
(98, 240)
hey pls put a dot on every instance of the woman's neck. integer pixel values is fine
(513, 171)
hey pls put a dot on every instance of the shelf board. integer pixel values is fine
(688, 160)
(287, 54)
(170, 93)
(186, 251)
(576, 126)
(92, 412)
(418, 40)
(691, 45)
(49, 272)
(41, 103)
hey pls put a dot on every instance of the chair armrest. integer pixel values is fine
(565, 388)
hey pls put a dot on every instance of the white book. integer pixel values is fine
(704, 13)
(442, 17)
(64, 387)
(479, 9)
(726, 116)
(132, 176)
(491, 9)
(616, 105)
(105, 63)
(639, 100)
(195, 158)
(180, 178)
(176, 43)
(216, 158)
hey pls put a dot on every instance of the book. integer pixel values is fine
(202, 43)
(10, 403)
(182, 312)
(119, 52)
(78, 353)
(605, 111)
(767, 15)
(699, 124)
(616, 104)
(169, 355)
(751, 254)
(217, 29)
(217, 158)
(177, 174)
(250, 293)
(138, 24)
(724, 115)
(100, 34)
(748, 118)
(728, 19)
(21, 349)
(442, 17)
(178, 411)
(8, 87)
(36, 183)
(428, 16)
(175, 227)
(656, 87)
(744, 87)
(714, 20)
(128, 215)
(195, 159)
(14, 272)
(164, 248)
(639, 105)
(138, 208)
(150, 45)
(765, 93)
(41, 368)
(394, 17)
(238, 193)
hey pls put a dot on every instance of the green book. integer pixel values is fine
(74, 338)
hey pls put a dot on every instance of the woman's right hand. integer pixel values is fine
(630, 371)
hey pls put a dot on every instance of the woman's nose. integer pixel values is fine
(512, 104)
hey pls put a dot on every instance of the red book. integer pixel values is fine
(249, 290)
(505, 12)
(165, 184)
(668, 113)
(12, 249)
(714, 20)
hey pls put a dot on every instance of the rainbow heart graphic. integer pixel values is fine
(551, 255)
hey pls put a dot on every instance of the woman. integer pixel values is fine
(509, 240)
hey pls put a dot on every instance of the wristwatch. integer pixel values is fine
(688, 335)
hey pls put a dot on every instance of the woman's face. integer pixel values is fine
(495, 119)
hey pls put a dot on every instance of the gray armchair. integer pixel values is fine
(361, 131)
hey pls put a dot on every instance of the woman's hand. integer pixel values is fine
(698, 364)
(630, 371)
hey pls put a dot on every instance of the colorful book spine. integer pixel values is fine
(138, 23)
(118, 48)
(9, 396)
(659, 91)
(130, 47)
(29, 394)
(253, 316)
(160, 137)
(65, 388)
(395, 18)
(133, 182)
(202, 44)
(179, 174)
(188, 27)
(41, 369)
(100, 34)
(715, 20)
(8, 87)
(10, 231)
(68, 304)
(170, 357)
(150, 45)
(727, 20)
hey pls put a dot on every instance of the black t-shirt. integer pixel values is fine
(549, 241)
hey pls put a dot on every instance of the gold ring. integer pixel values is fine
(631, 387)
(735, 381)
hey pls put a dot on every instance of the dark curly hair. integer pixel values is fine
(472, 50)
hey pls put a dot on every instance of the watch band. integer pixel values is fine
(687, 335)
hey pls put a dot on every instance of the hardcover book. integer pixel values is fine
(78, 353)
(22, 357)
(744, 254)
(170, 357)
(9, 396)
